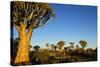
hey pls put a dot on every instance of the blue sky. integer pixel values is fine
(72, 23)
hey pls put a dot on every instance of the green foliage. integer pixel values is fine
(83, 43)
(36, 48)
(60, 44)
(67, 55)
(71, 44)
(44, 55)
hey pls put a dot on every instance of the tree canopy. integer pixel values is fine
(29, 13)
(83, 43)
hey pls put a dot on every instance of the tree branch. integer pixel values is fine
(30, 29)
(16, 25)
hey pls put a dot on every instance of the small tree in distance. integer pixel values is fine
(71, 45)
(36, 48)
(48, 46)
(60, 45)
(83, 43)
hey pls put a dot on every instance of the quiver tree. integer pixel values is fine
(27, 16)
(77, 47)
(36, 48)
(60, 45)
(71, 45)
(83, 43)
(52, 47)
(48, 46)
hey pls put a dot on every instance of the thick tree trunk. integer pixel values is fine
(23, 50)
(22, 56)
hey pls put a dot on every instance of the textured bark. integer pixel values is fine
(24, 46)
(24, 16)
